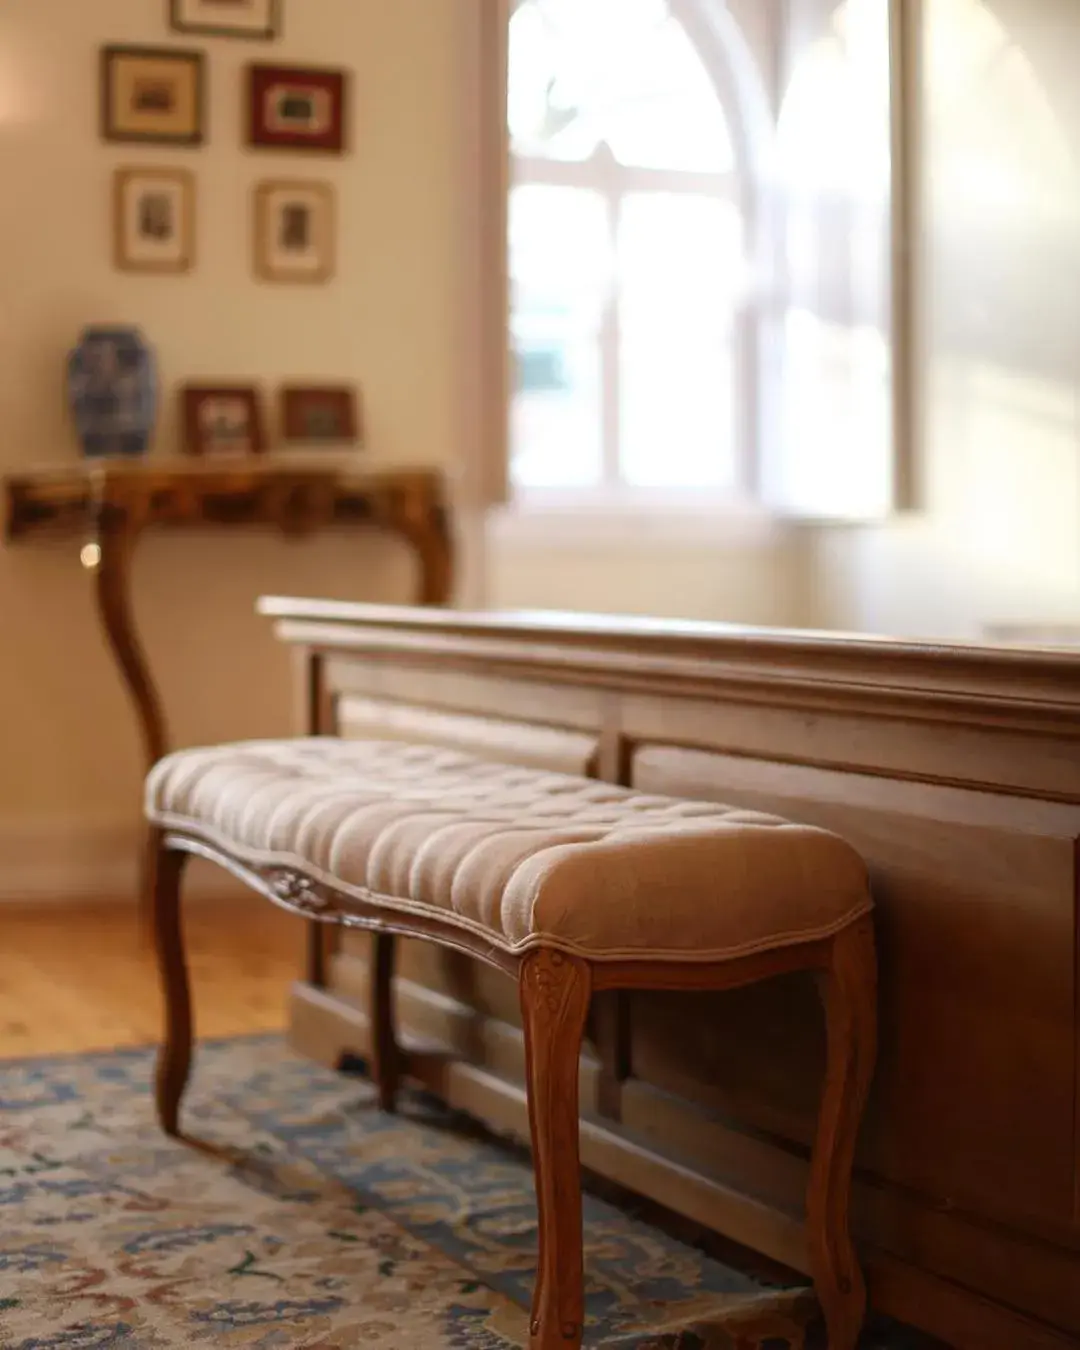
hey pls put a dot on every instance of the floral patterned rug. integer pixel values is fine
(321, 1224)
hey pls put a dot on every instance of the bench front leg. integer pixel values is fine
(555, 991)
(849, 994)
(166, 868)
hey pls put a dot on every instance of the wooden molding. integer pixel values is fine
(959, 683)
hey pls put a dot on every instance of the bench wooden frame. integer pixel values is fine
(555, 991)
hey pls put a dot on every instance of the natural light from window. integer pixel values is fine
(627, 252)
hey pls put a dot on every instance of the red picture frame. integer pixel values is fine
(315, 414)
(297, 108)
(222, 420)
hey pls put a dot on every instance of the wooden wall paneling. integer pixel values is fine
(975, 1087)
(446, 974)
(894, 1221)
(453, 691)
(1076, 1093)
(955, 770)
(540, 747)
(1044, 765)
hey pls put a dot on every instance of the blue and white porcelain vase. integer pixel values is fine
(113, 391)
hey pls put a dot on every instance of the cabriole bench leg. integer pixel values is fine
(385, 1056)
(174, 1059)
(554, 991)
(849, 994)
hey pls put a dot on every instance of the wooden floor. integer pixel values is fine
(80, 977)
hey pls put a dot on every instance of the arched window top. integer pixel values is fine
(617, 73)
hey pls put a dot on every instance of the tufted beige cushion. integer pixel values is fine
(518, 855)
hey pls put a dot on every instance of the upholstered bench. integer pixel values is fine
(568, 884)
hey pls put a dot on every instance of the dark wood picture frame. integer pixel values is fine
(194, 441)
(113, 56)
(340, 402)
(273, 28)
(296, 82)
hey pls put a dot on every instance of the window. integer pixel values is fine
(628, 252)
(701, 263)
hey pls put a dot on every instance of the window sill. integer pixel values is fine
(542, 520)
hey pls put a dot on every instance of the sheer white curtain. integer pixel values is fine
(827, 434)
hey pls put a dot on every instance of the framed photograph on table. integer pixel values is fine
(258, 19)
(295, 231)
(320, 415)
(153, 220)
(153, 95)
(222, 420)
(297, 108)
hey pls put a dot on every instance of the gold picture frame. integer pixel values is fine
(153, 95)
(255, 19)
(153, 220)
(295, 231)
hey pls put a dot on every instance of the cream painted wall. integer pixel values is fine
(738, 570)
(998, 538)
(70, 781)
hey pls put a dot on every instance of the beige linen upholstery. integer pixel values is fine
(519, 856)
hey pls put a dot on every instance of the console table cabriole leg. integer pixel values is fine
(174, 1058)
(115, 535)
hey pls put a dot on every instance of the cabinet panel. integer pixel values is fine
(974, 1097)
(559, 749)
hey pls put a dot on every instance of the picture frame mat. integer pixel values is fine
(272, 258)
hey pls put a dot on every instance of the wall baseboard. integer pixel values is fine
(47, 859)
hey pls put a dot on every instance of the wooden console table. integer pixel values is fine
(109, 504)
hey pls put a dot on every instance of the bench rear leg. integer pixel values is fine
(385, 1054)
(164, 874)
(849, 994)
(554, 991)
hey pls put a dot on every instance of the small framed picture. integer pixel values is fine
(222, 420)
(153, 220)
(227, 18)
(295, 231)
(320, 414)
(297, 108)
(156, 95)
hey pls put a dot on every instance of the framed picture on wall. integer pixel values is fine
(156, 95)
(153, 220)
(297, 108)
(295, 231)
(227, 18)
(222, 420)
(319, 415)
